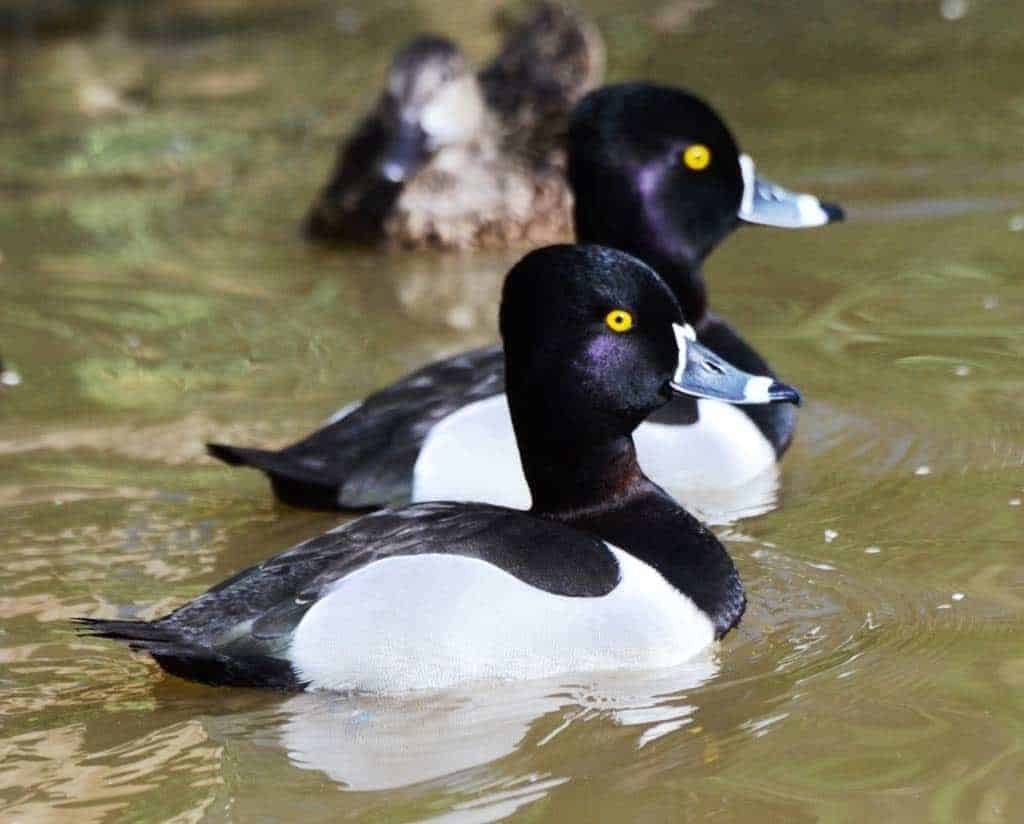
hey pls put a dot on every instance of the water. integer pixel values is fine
(154, 293)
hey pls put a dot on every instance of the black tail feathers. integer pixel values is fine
(192, 661)
(234, 455)
(138, 634)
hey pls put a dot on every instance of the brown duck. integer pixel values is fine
(449, 158)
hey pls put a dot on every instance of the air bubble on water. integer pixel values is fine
(924, 469)
(962, 371)
(8, 377)
(1017, 223)
(1014, 501)
(872, 550)
(944, 606)
(830, 535)
(990, 301)
(958, 596)
(826, 567)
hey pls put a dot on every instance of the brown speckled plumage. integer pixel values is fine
(501, 181)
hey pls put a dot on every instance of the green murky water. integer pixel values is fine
(154, 293)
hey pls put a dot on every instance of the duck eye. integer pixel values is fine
(619, 320)
(697, 157)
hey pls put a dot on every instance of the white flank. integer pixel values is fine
(429, 621)
(724, 449)
(472, 455)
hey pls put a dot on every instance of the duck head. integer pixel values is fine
(656, 172)
(431, 100)
(595, 341)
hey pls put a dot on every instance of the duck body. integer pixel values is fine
(369, 607)
(443, 433)
(606, 571)
(449, 158)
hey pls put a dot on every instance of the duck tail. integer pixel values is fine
(237, 455)
(137, 634)
(194, 662)
(293, 483)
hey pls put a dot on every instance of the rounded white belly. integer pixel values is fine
(429, 621)
(471, 455)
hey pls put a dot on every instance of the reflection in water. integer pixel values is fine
(719, 507)
(371, 743)
(461, 292)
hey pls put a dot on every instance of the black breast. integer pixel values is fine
(655, 529)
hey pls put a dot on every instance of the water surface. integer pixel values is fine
(154, 293)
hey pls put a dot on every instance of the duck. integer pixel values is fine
(456, 159)
(606, 571)
(655, 172)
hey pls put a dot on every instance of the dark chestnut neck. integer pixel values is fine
(571, 479)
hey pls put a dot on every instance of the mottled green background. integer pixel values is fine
(154, 162)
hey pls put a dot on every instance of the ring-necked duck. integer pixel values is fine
(450, 158)
(656, 173)
(606, 571)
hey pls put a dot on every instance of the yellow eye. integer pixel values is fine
(619, 320)
(697, 157)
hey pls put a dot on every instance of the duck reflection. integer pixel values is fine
(454, 292)
(373, 743)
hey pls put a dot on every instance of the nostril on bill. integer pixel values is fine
(712, 366)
